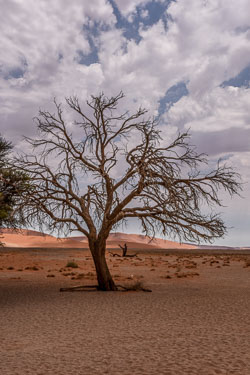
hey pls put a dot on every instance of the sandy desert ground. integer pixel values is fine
(195, 321)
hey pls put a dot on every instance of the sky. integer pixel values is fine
(187, 62)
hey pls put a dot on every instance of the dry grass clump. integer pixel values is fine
(166, 277)
(79, 276)
(137, 285)
(247, 263)
(69, 274)
(72, 264)
(186, 274)
(191, 264)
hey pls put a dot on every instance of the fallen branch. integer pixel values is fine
(80, 288)
(133, 289)
(123, 256)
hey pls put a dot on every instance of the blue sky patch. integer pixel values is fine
(173, 95)
(156, 11)
(17, 72)
(241, 80)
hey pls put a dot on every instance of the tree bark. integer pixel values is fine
(104, 278)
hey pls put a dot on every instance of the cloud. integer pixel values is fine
(61, 48)
(129, 6)
(203, 46)
(210, 40)
(43, 41)
(44, 38)
(197, 48)
(217, 110)
(223, 142)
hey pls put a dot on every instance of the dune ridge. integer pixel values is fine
(30, 238)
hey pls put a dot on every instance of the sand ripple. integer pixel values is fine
(178, 329)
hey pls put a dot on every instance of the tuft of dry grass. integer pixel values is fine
(79, 276)
(186, 274)
(72, 264)
(68, 273)
(247, 263)
(136, 285)
(32, 268)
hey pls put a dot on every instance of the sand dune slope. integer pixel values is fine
(30, 238)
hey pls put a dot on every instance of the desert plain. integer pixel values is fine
(196, 320)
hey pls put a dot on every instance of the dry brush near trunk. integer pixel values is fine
(110, 166)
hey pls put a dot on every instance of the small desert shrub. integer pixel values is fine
(183, 274)
(180, 275)
(137, 285)
(166, 277)
(10, 268)
(50, 275)
(32, 268)
(78, 277)
(68, 273)
(72, 264)
(191, 265)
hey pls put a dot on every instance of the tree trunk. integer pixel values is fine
(104, 278)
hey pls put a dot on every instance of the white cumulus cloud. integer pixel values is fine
(45, 47)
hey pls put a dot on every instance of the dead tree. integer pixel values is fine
(124, 249)
(124, 252)
(95, 180)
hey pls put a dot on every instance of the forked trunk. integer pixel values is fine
(104, 278)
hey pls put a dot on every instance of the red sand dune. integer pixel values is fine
(31, 238)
